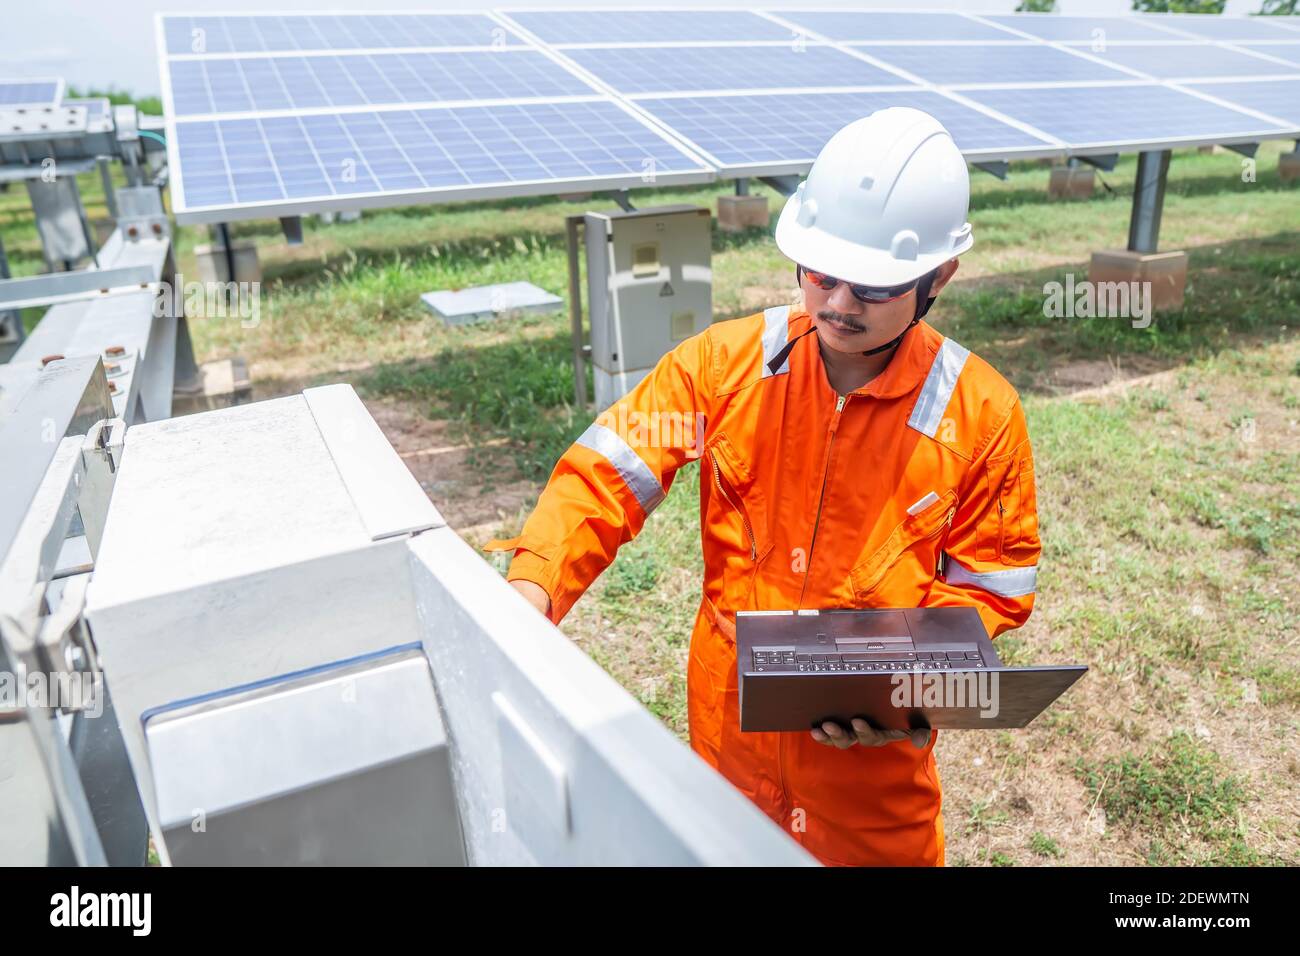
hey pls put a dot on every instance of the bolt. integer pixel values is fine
(132, 231)
(112, 388)
(50, 358)
(113, 351)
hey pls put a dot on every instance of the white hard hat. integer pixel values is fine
(884, 203)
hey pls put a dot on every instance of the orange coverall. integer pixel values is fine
(804, 503)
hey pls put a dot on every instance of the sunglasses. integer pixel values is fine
(871, 294)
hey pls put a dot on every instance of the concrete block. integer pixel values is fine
(1071, 182)
(738, 213)
(1165, 271)
(223, 383)
(213, 266)
(1288, 166)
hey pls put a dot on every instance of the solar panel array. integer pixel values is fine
(21, 93)
(284, 113)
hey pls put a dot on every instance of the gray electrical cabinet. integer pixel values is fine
(649, 285)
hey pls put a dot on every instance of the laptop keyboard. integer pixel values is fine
(787, 659)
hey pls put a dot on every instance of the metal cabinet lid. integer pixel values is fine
(229, 493)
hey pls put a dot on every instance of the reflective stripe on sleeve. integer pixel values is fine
(937, 391)
(1013, 582)
(636, 474)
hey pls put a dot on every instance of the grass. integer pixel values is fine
(1168, 511)
(1177, 781)
(1179, 794)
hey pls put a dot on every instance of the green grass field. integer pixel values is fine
(1168, 506)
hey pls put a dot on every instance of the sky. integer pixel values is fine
(111, 42)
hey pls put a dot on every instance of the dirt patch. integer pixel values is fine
(476, 499)
(1093, 376)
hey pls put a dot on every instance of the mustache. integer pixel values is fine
(827, 315)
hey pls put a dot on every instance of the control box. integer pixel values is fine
(649, 285)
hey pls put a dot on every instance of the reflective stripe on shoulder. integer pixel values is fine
(636, 474)
(937, 391)
(1013, 582)
(776, 333)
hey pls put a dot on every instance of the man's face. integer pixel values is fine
(847, 325)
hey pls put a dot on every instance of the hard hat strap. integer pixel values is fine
(776, 363)
(923, 302)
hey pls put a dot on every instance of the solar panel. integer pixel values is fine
(1181, 61)
(274, 33)
(561, 27)
(1213, 27)
(634, 70)
(271, 164)
(1075, 29)
(286, 113)
(923, 26)
(96, 108)
(222, 85)
(30, 92)
(1290, 52)
(775, 133)
(1091, 116)
(1280, 98)
(948, 65)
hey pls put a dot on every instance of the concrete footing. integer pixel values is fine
(1165, 271)
(738, 213)
(1071, 182)
(222, 383)
(213, 265)
(1288, 166)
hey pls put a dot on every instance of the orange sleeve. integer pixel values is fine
(991, 553)
(609, 481)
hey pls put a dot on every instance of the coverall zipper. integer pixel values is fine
(744, 519)
(830, 440)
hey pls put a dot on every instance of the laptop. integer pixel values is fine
(899, 668)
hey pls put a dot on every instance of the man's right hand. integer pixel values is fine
(535, 595)
(832, 734)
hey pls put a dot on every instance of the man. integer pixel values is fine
(852, 456)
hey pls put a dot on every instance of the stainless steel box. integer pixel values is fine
(650, 287)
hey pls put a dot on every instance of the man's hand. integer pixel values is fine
(833, 735)
(535, 595)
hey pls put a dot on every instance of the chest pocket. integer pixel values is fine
(739, 515)
(911, 551)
